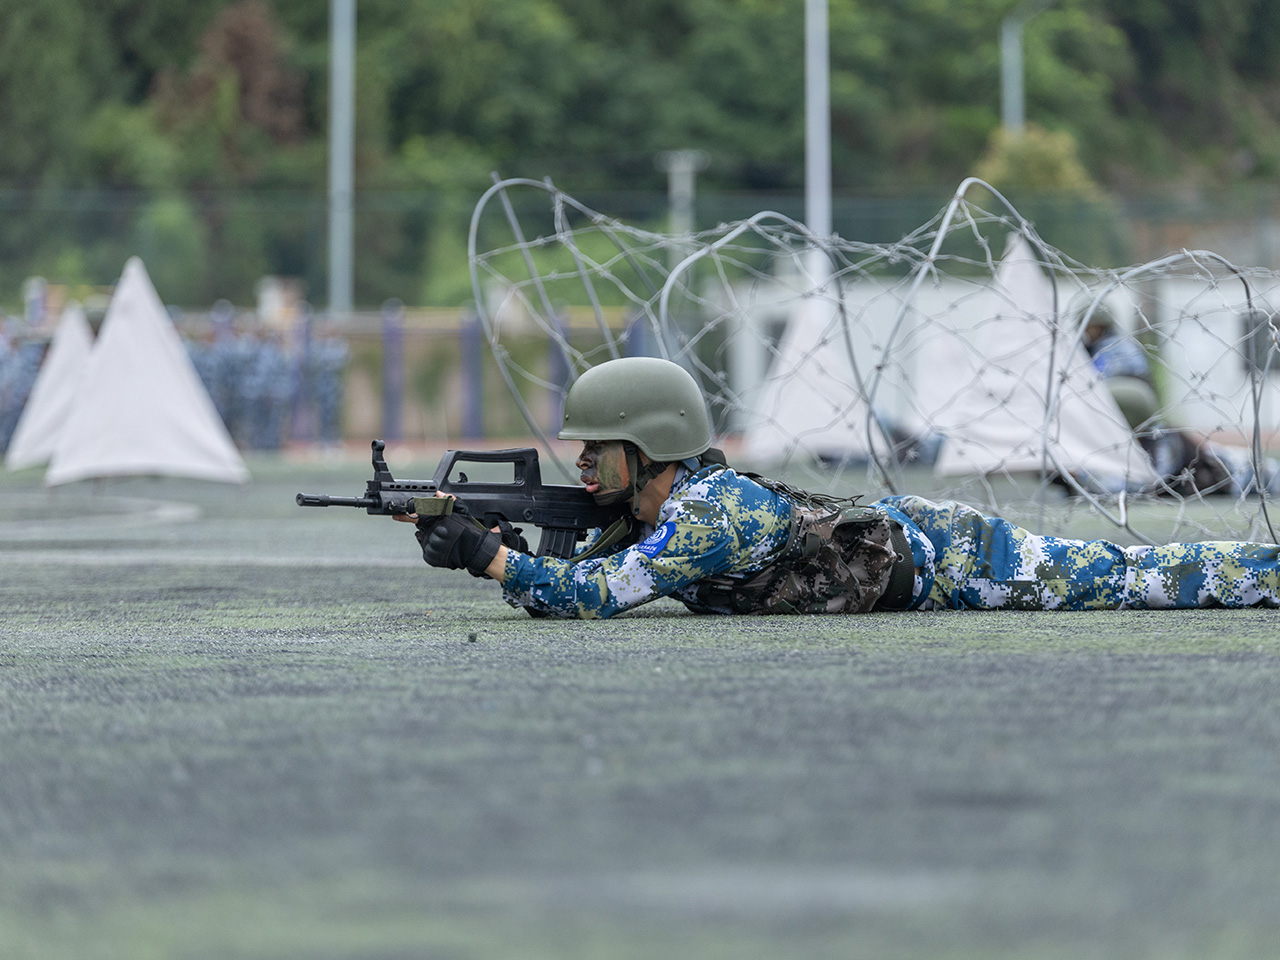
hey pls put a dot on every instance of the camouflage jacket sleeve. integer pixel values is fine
(700, 533)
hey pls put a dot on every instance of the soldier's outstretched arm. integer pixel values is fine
(697, 542)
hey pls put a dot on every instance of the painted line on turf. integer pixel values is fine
(103, 558)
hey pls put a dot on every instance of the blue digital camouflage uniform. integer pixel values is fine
(986, 563)
(1116, 356)
(718, 524)
(715, 522)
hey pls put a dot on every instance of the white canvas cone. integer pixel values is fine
(808, 406)
(53, 393)
(995, 420)
(811, 403)
(142, 409)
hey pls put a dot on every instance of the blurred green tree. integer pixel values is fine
(55, 68)
(208, 98)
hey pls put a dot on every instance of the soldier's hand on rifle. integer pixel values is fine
(512, 537)
(458, 541)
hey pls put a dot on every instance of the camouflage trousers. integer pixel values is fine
(986, 563)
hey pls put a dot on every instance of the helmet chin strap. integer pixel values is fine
(641, 474)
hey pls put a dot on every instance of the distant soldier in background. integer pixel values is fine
(7, 403)
(19, 366)
(200, 350)
(1123, 365)
(329, 356)
(723, 542)
(266, 387)
(1189, 463)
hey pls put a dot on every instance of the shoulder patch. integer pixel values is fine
(652, 545)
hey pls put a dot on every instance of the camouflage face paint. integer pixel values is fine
(604, 468)
(611, 468)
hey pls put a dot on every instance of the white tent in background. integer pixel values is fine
(142, 408)
(971, 361)
(809, 405)
(988, 393)
(834, 353)
(811, 402)
(53, 392)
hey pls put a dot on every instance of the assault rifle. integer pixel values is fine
(565, 513)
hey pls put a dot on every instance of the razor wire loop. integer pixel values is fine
(662, 269)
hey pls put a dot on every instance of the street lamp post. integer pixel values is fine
(817, 119)
(681, 167)
(342, 44)
(1012, 94)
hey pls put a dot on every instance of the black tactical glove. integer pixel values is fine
(458, 542)
(513, 537)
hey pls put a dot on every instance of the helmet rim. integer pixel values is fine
(655, 404)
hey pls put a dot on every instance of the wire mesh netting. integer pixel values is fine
(969, 360)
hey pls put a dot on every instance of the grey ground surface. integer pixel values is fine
(233, 728)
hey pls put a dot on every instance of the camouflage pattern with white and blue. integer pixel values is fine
(718, 524)
(987, 563)
(714, 523)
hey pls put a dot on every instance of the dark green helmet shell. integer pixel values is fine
(653, 403)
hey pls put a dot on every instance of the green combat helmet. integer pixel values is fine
(653, 406)
(652, 403)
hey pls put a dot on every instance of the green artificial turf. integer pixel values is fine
(233, 728)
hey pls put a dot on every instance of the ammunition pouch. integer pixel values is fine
(839, 558)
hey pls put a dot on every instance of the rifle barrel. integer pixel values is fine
(323, 500)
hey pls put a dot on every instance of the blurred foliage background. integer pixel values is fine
(193, 132)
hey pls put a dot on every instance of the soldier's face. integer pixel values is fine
(604, 467)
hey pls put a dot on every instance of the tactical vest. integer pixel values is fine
(839, 558)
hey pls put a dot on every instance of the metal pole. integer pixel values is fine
(682, 168)
(817, 119)
(1012, 94)
(1012, 108)
(342, 42)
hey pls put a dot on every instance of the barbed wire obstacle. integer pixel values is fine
(970, 359)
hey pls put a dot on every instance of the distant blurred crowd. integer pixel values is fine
(267, 395)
